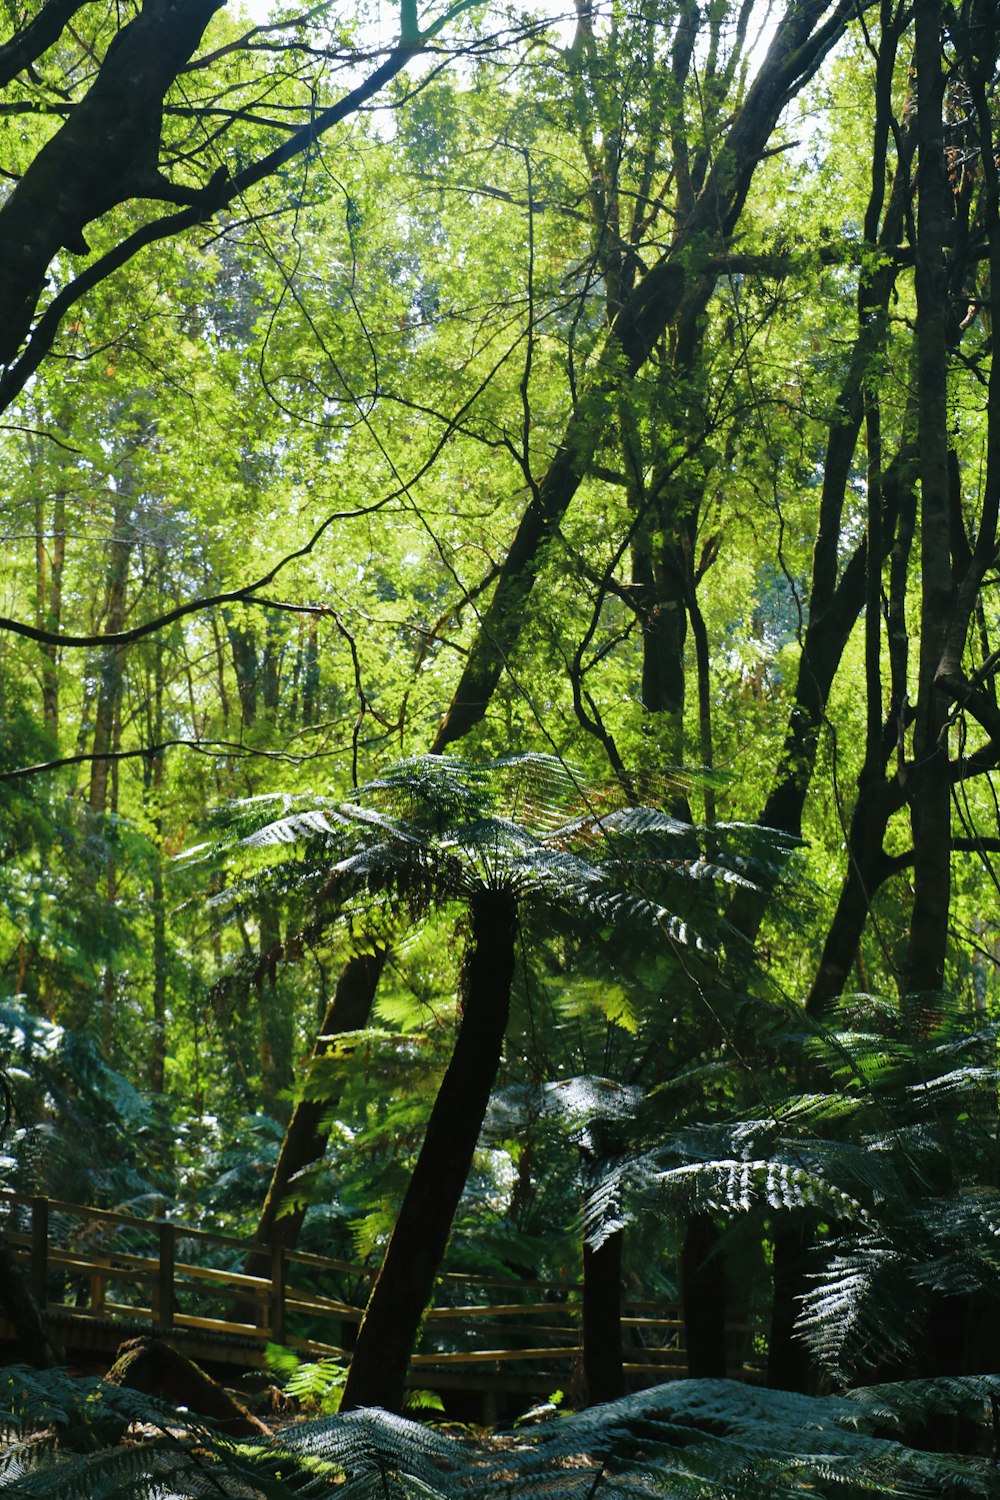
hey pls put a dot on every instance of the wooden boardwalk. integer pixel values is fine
(100, 1277)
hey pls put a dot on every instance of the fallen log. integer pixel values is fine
(153, 1367)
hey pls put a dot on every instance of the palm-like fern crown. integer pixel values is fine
(436, 828)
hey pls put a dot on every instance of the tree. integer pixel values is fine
(434, 830)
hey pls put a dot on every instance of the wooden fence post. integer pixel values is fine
(277, 1299)
(40, 1251)
(163, 1283)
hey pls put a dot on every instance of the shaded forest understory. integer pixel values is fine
(498, 719)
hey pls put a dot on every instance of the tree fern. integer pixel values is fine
(436, 830)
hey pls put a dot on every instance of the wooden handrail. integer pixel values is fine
(549, 1326)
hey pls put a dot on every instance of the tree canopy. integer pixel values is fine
(460, 455)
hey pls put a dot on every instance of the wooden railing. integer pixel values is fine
(92, 1268)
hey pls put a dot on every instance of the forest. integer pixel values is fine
(499, 735)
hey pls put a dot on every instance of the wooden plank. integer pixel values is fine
(325, 1263)
(325, 1308)
(237, 1280)
(98, 1285)
(493, 1356)
(500, 1310)
(66, 1312)
(654, 1323)
(130, 1267)
(127, 1267)
(123, 1310)
(128, 1221)
(500, 1356)
(248, 1331)
(537, 1331)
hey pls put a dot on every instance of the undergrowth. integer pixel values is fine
(71, 1439)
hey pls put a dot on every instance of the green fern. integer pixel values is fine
(436, 828)
(689, 1440)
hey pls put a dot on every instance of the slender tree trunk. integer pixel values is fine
(703, 1299)
(703, 668)
(243, 644)
(867, 867)
(112, 664)
(33, 1343)
(158, 1050)
(930, 791)
(304, 1141)
(377, 1376)
(109, 979)
(603, 1374)
(153, 768)
(788, 1364)
(310, 674)
(49, 562)
(270, 667)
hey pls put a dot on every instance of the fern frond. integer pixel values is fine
(379, 1455)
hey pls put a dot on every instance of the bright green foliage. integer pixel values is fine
(567, 303)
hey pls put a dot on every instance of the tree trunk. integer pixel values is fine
(867, 867)
(152, 774)
(112, 665)
(603, 1374)
(49, 564)
(377, 1376)
(104, 153)
(930, 791)
(703, 1299)
(243, 643)
(788, 1367)
(33, 1344)
(304, 1141)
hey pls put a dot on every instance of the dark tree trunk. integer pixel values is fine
(270, 667)
(788, 1366)
(930, 789)
(867, 867)
(377, 1376)
(703, 1299)
(304, 1141)
(153, 768)
(603, 1375)
(33, 1343)
(310, 675)
(158, 1050)
(105, 153)
(49, 564)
